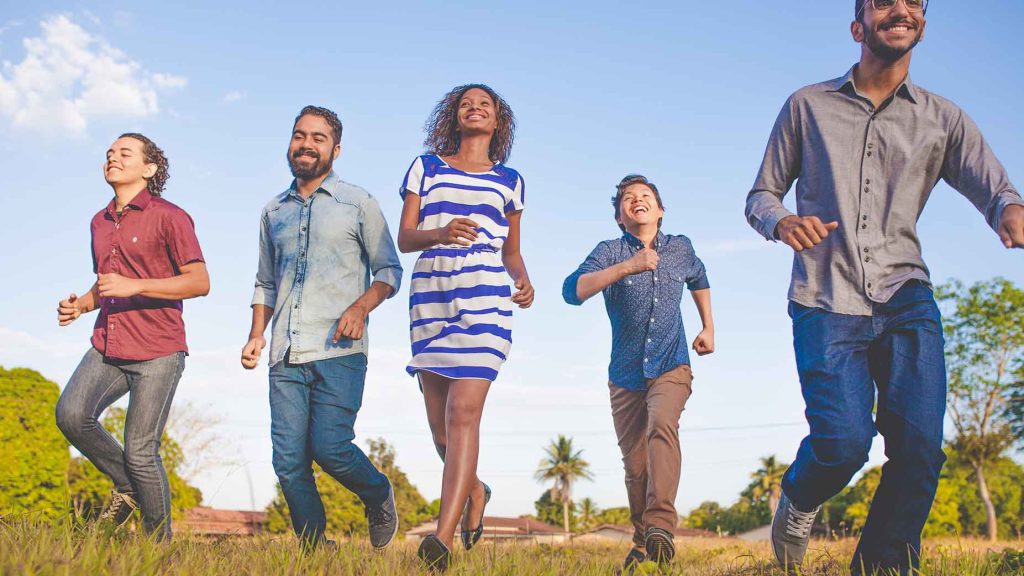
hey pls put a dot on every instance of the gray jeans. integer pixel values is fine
(136, 468)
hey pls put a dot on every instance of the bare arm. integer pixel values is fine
(410, 239)
(704, 343)
(512, 259)
(261, 315)
(193, 281)
(69, 309)
(352, 323)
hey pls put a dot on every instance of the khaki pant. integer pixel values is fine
(647, 427)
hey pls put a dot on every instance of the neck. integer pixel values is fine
(125, 193)
(474, 148)
(878, 78)
(645, 233)
(305, 188)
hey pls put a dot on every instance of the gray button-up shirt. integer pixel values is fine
(316, 256)
(871, 170)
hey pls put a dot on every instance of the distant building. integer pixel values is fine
(210, 521)
(616, 534)
(504, 530)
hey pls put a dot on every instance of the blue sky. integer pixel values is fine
(685, 93)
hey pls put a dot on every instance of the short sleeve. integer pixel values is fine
(180, 236)
(518, 200)
(413, 182)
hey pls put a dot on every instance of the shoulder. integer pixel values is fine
(428, 163)
(165, 209)
(940, 106)
(276, 201)
(679, 242)
(509, 175)
(349, 193)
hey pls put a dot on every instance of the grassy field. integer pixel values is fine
(42, 549)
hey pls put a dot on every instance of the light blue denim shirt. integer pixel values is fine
(316, 257)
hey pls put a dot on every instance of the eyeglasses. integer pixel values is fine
(886, 5)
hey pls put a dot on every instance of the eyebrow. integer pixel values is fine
(314, 133)
(121, 149)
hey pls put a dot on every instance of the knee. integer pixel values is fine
(141, 456)
(71, 419)
(334, 457)
(291, 469)
(662, 425)
(849, 451)
(463, 416)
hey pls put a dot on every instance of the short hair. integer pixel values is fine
(858, 5)
(152, 154)
(328, 115)
(628, 181)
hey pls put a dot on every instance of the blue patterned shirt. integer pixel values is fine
(316, 257)
(648, 338)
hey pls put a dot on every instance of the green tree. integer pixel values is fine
(549, 509)
(33, 451)
(89, 489)
(343, 508)
(767, 483)
(565, 465)
(618, 516)
(984, 330)
(588, 513)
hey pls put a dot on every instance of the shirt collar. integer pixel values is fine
(906, 89)
(329, 186)
(140, 202)
(637, 244)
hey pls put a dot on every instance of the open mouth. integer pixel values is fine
(474, 116)
(898, 27)
(640, 210)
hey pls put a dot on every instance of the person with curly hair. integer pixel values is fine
(147, 260)
(462, 209)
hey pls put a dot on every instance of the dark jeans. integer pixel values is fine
(313, 409)
(842, 360)
(136, 468)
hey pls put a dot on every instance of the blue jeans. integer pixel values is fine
(313, 409)
(842, 360)
(137, 468)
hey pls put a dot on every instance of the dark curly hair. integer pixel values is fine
(328, 115)
(628, 181)
(153, 155)
(442, 127)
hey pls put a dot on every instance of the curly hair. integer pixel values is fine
(328, 115)
(442, 127)
(628, 181)
(153, 155)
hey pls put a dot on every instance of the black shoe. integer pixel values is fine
(633, 559)
(434, 554)
(120, 508)
(383, 521)
(471, 537)
(660, 546)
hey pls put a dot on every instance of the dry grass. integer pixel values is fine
(45, 549)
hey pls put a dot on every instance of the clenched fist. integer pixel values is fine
(643, 261)
(802, 233)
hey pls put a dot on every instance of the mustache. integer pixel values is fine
(306, 152)
(898, 22)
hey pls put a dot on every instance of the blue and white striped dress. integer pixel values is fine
(460, 300)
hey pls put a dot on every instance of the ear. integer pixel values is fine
(149, 171)
(336, 152)
(857, 31)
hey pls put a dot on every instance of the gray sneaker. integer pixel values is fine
(383, 521)
(120, 508)
(791, 530)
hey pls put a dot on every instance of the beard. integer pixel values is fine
(318, 168)
(886, 52)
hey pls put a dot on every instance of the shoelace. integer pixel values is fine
(798, 524)
(379, 514)
(116, 501)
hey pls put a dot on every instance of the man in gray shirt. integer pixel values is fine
(320, 240)
(866, 150)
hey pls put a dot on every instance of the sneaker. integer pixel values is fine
(434, 554)
(791, 530)
(633, 559)
(383, 521)
(660, 545)
(120, 508)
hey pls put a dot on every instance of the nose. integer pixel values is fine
(900, 8)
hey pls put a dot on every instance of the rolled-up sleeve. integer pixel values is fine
(697, 277)
(972, 169)
(779, 169)
(265, 292)
(380, 247)
(599, 259)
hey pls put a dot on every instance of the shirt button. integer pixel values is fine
(648, 340)
(645, 359)
(869, 284)
(655, 278)
(867, 181)
(867, 258)
(863, 226)
(870, 145)
(869, 153)
(652, 320)
(866, 250)
(866, 189)
(655, 299)
(864, 217)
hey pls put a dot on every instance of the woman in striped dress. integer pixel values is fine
(462, 209)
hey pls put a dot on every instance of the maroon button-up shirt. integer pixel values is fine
(151, 238)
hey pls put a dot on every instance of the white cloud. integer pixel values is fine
(234, 96)
(70, 77)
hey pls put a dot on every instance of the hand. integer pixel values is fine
(252, 350)
(351, 324)
(458, 231)
(524, 293)
(704, 343)
(643, 261)
(68, 310)
(1011, 226)
(801, 233)
(117, 286)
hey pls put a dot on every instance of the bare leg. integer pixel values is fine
(457, 439)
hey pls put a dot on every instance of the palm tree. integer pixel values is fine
(588, 510)
(563, 465)
(768, 482)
